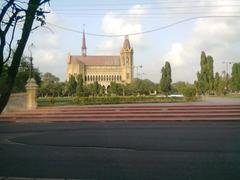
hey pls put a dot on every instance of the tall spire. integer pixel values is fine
(126, 43)
(84, 47)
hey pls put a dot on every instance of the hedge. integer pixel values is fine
(60, 101)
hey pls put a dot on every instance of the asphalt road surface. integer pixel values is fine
(160, 150)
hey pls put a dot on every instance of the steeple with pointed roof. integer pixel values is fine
(126, 43)
(84, 47)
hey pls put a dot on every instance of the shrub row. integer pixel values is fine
(60, 101)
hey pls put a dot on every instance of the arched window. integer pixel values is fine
(117, 77)
(110, 78)
(120, 77)
(93, 78)
(104, 78)
(87, 78)
(101, 77)
(90, 78)
(107, 77)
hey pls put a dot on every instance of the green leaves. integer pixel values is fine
(166, 80)
(235, 80)
(206, 75)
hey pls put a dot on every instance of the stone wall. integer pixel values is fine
(17, 102)
(23, 101)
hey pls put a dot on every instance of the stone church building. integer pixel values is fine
(103, 69)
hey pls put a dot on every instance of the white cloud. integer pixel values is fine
(112, 24)
(218, 37)
(48, 54)
(138, 10)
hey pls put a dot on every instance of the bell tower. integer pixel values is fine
(126, 58)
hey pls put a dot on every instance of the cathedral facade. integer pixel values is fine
(103, 69)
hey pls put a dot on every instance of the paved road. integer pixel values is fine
(163, 150)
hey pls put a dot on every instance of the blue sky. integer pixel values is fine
(180, 44)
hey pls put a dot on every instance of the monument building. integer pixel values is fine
(103, 69)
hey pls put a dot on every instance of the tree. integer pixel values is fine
(116, 88)
(23, 75)
(197, 87)
(15, 14)
(166, 80)
(49, 78)
(220, 84)
(189, 92)
(96, 88)
(71, 85)
(206, 76)
(50, 85)
(178, 87)
(79, 88)
(235, 79)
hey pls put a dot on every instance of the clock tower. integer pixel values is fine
(126, 60)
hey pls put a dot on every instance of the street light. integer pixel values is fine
(227, 63)
(141, 75)
(226, 74)
(139, 66)
(31, 59)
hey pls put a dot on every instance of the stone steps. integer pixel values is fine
(123, 113)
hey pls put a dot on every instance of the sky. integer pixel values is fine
(180, 44)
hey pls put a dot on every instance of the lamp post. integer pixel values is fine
(227, 64)
(31, 59)
(226, 74)
(31, 86)
(141, 75)
(139, 66)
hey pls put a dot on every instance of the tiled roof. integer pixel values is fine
(96, 60)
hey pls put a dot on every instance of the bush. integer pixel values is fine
(189, 93)
(105, 100)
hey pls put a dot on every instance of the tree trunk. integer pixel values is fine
(12, 71)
